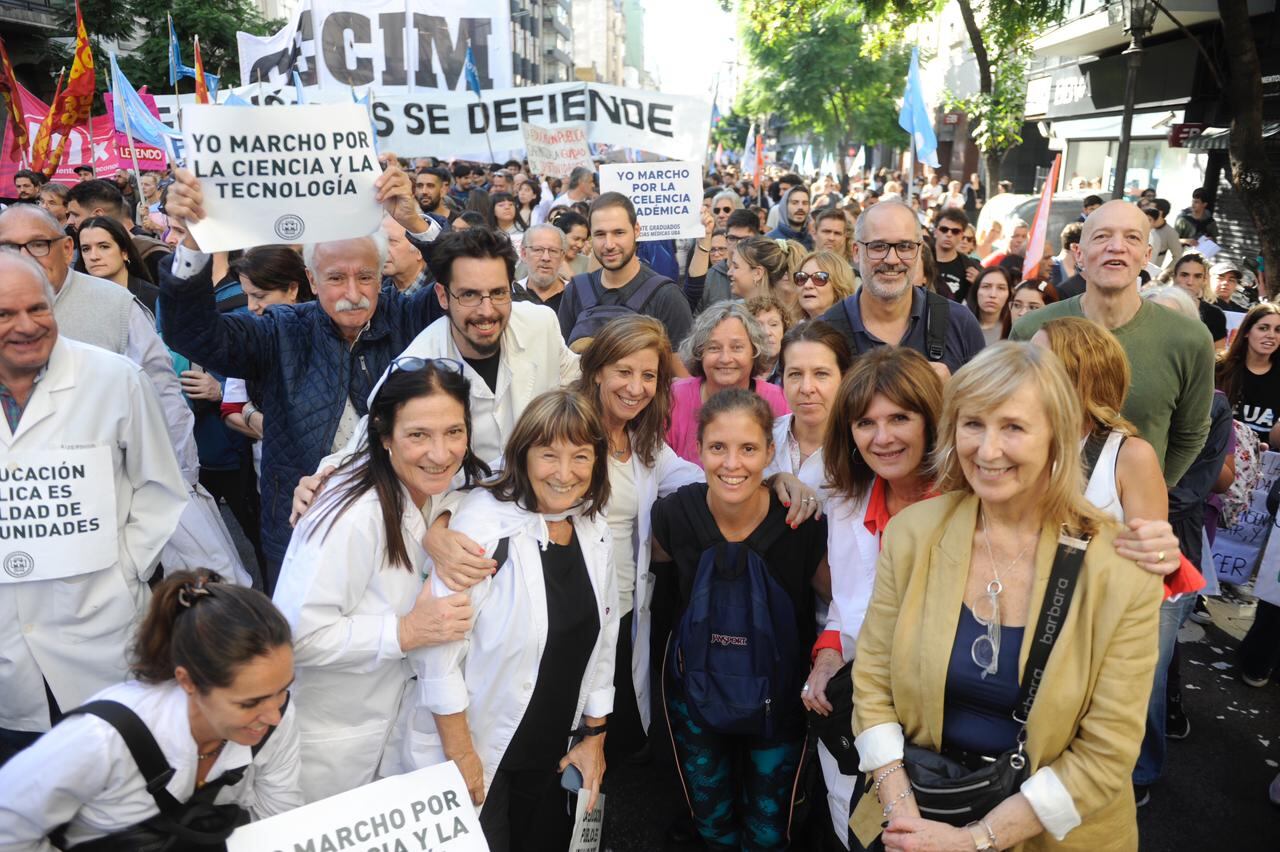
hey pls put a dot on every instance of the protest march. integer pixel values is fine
(409, 447)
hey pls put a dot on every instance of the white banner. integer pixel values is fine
(424, 811)
(556, 153)
(57, 514)
(667, 197)
(296, 174)
(1236, 548)
(337, 44)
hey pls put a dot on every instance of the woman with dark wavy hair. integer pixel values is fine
(351, 583)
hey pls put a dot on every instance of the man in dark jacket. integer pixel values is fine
(793, 218)
(316, 362)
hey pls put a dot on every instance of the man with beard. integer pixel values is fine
(955, 270)
(886, 309)
(793, 219)
(831, 231)
(429, 189)
(542, 251)
(27, 183)
(316, 362)
(623, 284)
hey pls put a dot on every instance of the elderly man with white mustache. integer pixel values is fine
(316, 362)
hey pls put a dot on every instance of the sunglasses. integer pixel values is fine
(413, 364)
(943, 229)
(724, 210)
(818, 278)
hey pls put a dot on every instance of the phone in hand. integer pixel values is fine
(571, 778)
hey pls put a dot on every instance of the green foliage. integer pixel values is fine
(731, 131)
(818, 75)
(215, 21)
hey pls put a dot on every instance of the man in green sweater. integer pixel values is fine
(1170, 356)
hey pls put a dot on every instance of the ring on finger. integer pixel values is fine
(1160, 556)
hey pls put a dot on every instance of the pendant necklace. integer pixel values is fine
(986, 648)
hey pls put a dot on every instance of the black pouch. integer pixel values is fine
(835, 731)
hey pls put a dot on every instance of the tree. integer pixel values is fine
(1000, 34)
(731, 131)
(821, 76)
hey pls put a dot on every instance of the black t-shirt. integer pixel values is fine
(1259, 401)
(951, 280)
(552, 302)
(1213, 317)
(573, 625)
(1073, 286)
(668, 305)
(487, 368)
(1229, 306)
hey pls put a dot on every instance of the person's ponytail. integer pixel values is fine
(206, 626)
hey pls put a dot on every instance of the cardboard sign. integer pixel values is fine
(1237, 548)
(425, 810)
(57, 514)
(297, 174)
(667, 197)
(588, 825)
(556, 152)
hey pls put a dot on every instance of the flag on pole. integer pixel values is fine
(74, 105)
(1040, 225)
(140, 123)
(749, 152)
(202, 88)
(914, 116)
(759, 172)
(175, 56)
(299, 93)
(715, 115)
(44, 133)
(471, 72)
(17, 118)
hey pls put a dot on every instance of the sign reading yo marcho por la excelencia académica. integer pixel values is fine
(667, 196)
(296, 174)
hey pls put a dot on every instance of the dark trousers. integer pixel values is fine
(12, 742)
(239, 490)
(1260, 650)
(527, 811)
(626, 731)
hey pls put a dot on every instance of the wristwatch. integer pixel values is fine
(983, 839)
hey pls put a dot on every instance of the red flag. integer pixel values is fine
(73, 106)
(759, 158)
(1040, 227)
(44, 135)
(202, 90)
(9, 88)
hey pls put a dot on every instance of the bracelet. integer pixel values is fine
(700, 247)
(905, 794)
(990, 844)
(590, 730)
(248, 410)
(886, 774)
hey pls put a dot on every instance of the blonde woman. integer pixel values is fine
(823, 279)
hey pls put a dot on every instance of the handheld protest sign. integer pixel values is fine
(282, 174)
(429, 809)
(557, 151)
(667, 196)
(588, 826)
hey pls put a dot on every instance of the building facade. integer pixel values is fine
(600, 41)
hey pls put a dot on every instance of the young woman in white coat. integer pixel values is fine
(535, 672)
(212, 664)
(351, 583)
(811, 361)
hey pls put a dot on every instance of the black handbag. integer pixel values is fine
(835, 730)
(948, 790)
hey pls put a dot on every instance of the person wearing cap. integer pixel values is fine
(1227, 275)
(84, 173)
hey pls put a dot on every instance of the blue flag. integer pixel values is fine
(235, 100)
(142, 125)
(914, 116)
(297, 88)
(472, 74)
(175, 56)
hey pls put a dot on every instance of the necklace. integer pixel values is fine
(986, 648)
(621, 452)
(217, 751)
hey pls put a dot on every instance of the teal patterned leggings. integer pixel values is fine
(723, 773)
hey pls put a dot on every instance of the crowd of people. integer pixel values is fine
(842, 502)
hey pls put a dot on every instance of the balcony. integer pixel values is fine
(40, 15)
(1098, 26)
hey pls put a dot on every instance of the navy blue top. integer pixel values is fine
(978, 712)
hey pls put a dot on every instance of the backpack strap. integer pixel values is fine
(646, 291)
(142, 746)
(1093, 446)
(845, 327)
(500, 552)
(585, 286)
(936, 323)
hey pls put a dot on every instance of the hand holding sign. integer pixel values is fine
(184, 202)
(395, 194)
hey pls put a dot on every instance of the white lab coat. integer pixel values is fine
(491, 673)
(668, 473)
(533, 360)
(811, 471)
(344, 599)
(73, 632)
(81, 772)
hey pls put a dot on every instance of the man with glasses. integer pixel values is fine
(887, 309)
(315, 362)
(542, 251)
(956, 271)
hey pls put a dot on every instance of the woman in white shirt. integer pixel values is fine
(536, 668)
(213, 664)
(351, 584)
(876, 454)
(812, 360)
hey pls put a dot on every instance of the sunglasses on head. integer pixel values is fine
(818, 278)
(413, 364)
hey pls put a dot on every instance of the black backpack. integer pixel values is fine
(196, 825)
(592, 316)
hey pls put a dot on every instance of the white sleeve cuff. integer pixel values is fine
(432, 231)
(599, 703)
(188, 262)
(389, 643)
(879, 745)
(444, 696)
(1051, 802)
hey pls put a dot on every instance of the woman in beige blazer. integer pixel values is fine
(931, 671)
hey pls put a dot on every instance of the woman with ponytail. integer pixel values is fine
(351, 584)
(212, 664)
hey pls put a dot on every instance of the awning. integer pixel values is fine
(1219, 138)
(1146, 125)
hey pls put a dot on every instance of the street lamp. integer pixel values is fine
(1139, 17)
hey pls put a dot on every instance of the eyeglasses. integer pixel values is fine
(548, 252)
(818, 278)
(731, 239)
(724, 209)
(35, 248)
(943, 229)
(414, 364)
(878, 250)
(472, 299)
